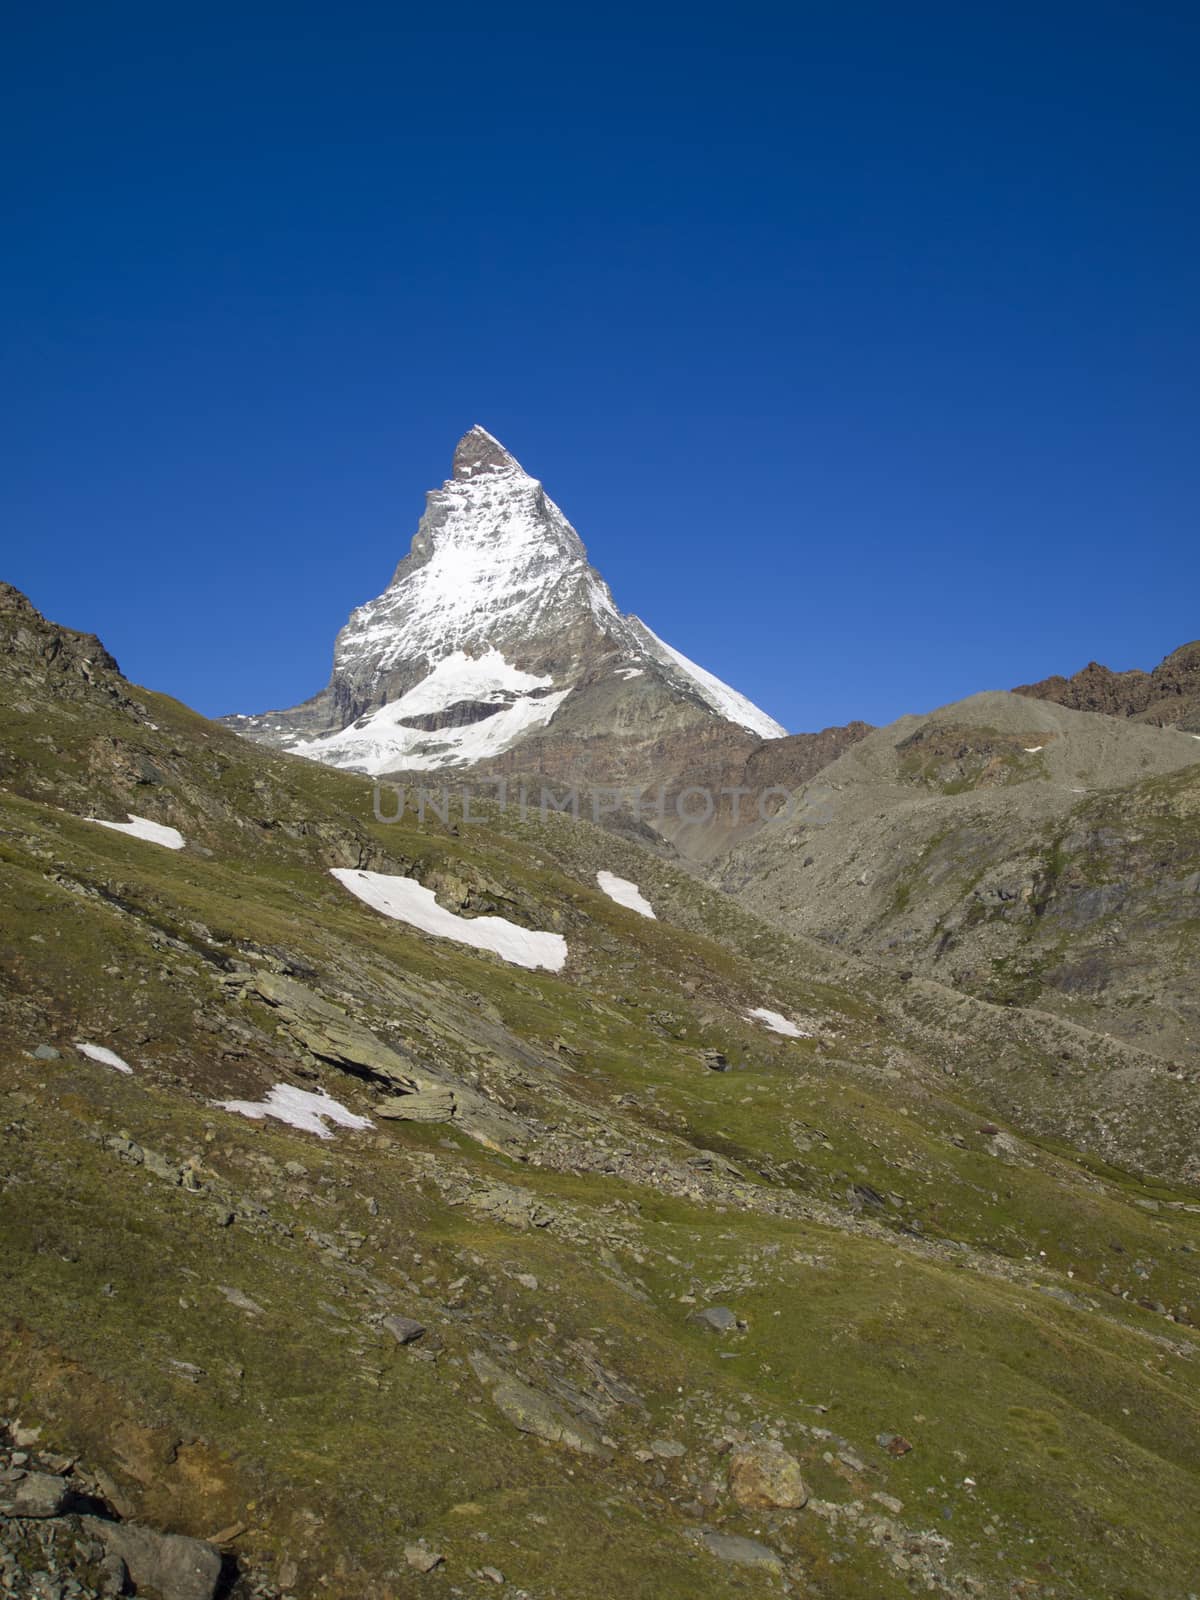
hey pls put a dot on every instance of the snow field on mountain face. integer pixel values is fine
(625, 893)
(299, 1108)
(500, 560)
(105, 1056)
(462, 677)
(777, 1022)
(378, 743)
(143, 828)
(405, 900)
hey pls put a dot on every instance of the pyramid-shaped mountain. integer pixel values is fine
(497, 643)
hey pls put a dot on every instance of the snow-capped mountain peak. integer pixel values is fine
(493, 620)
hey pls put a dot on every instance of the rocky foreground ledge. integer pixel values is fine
(60, 1539)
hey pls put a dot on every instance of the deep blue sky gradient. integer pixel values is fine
(859, 342)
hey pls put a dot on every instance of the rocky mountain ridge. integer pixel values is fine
(1169, 696)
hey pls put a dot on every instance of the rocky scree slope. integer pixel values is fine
(1018, 851)
(604, 1288)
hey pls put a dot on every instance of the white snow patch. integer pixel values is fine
(405, 900)
(777, 1022)
(1032, 749)
(724, 700)
(299, 1108)
(379, 743)
(105, 1056)
(630, 672)
(624, 893)
(143, 828)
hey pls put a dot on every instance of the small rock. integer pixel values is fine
(422, 1560)
(530, 1411)
(894, 1443)
(669, 1449)
(492, 1574)
(405, 1330)
(741, 1552)
(46, 1052)
(527, 1280)
(242, 1301)
(37, 1494)
(715, 1061)
(715, 1319)
(114, 1577)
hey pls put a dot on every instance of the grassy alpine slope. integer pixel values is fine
(932, 1224)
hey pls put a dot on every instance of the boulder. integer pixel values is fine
(405, 1330)
(37, 1494)
(422, 1559)
(715, 1319)
(166, 1564)
(762, 1476)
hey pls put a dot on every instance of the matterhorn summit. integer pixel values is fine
(494, 635)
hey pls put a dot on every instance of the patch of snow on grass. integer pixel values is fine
(299, 1108)
(105, 1056)
(777, 1022)
(143, 828)
(405, 900)
(624, 893)
(1032, 749)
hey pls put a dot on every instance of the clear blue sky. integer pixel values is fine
(859, 342)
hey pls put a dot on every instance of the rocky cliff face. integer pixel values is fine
(1168, 697)
(494, 627)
